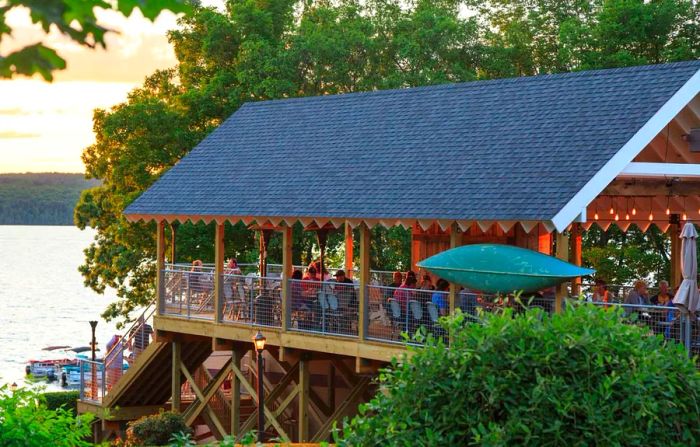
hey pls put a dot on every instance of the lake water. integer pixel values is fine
(42, 298)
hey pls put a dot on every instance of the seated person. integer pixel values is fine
(638, 295)
(664, 297)
(347, 300)
(427, 283)
(405, 293)
(397, 280)
(441, 297)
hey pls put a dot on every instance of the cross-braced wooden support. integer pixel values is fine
(203, 397)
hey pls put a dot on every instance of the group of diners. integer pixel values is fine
(655, 310)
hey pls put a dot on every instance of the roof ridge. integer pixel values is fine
(476, 83)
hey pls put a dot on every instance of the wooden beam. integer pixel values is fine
(661, 170)
(343, 409)
(348, 250)
(331, 386)
(254, 394)
(575, 255)
(647, 187)
(176, 376)
(160, 265)
(304, 399)
(209, 391)
(287, 270)
(200, 395)
(365, 236)
(235, 393)
(674, 233)
(219, 272)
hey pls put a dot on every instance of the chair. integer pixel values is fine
(416, 311)
(325, 308)
(396, 319)
(228, 298)
(433, 312)
(333, 311)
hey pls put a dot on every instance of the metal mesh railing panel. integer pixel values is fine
(324, 307)
(252, 301)
(188, 293)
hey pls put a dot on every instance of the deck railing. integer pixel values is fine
(323, 307)
(252, 301)
(98, 377)
(188, 292)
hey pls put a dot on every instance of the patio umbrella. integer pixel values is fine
(687, 297)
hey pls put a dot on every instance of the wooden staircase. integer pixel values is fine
(148, 381)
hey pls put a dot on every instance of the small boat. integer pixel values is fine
(494, 268)
(47, 368)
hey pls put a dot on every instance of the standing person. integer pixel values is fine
(114, 360)
(140, 337)
(232, 267)
(601, 294)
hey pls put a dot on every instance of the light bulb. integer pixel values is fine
(685, 216)
(612, 211)
(634, 211)
(668, 211)
(627, 216)
(595, 216)
(617, 217)
(651, 216)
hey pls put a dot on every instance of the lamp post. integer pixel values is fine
(259, 342)
(93, 347)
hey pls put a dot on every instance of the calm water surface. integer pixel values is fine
(42, 298)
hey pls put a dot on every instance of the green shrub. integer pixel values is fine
(26, 421)
(62, 399)
(157, 429)
(573, 379)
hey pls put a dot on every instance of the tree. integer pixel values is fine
(265, 49)
(72, 18)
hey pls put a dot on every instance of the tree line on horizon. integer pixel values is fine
(40, 198)
(265, 49)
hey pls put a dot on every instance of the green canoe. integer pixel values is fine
(494, 268)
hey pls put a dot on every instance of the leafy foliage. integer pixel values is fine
(258, 50)
(577, 378)
(159, 429)
(26, 420)
(73, 18)
(40, 199)
(67, 400)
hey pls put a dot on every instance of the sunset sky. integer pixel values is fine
(45, 126)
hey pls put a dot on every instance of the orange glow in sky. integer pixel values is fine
(44, 127)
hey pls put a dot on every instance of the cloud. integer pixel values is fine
(8, 134)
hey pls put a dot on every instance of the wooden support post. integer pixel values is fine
(304, 398)
(219, 273)
(364, 280)
(287, 270)
(562, 252)
(575, 255)
(173, 234)
(455, 239)
(160, 266)
(176, 383)
(348, 250)
(235, 393)
(331, 386)
(674, 234)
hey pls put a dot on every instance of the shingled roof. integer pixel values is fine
(510, 150)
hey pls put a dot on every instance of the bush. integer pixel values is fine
(26, 421)
(62, 399)
(156, 429)
(572, 379)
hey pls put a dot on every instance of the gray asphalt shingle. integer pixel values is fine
(511, 149)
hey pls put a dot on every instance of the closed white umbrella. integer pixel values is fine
(687, 297)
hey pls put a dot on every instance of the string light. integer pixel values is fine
(617, 217)
(634, 208)
(685, 216)
(612, 210)
(651, 216)
(627, 216)
(651, 207)
(668, 210)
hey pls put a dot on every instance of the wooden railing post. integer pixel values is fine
(287, 270)
(365, 236)
(348, 250)
(219, 272)
(160, 266)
